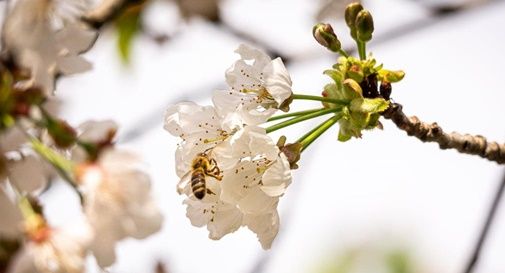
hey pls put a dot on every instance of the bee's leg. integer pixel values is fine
(210, 192)
(213, 163)
(216, 174)
(214, 170)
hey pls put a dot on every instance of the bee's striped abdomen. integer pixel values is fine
(198, 183)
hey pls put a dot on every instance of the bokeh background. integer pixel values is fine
(384, 201)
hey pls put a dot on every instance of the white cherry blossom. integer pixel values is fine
(254, 173)
(38, 44)
(118, 202)
(258, 87)
(99, 133)
(54, 250)
(261, 172)
(200, 129)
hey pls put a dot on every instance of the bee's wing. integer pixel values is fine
(183, 185)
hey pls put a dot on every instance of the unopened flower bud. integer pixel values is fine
(385, 90)
(351, 11)
(356, 73)
(364, 26)
(292, 152)
(352, 87)
(325, 36)
(62, 133)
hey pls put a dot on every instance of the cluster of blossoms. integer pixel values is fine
(43, 39)
(232, 172)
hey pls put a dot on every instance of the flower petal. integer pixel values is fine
(257, 202)
(266, 227)
(11, 217)
(277, 177)
(28, 174)
(277, 81)
(221, 218)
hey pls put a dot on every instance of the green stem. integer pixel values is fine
(318, 98)
(308, 138)
(63, 166)
(362, 50)
(343, 53)
(295, 120)
(51, 156)
(299, 113)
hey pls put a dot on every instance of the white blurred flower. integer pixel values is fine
(32, 35)
(27, 173)
(97, 133)
(259, 86)
(118, 202)
(11, 217)
(54, 250)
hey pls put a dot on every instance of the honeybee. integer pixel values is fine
(201, 167)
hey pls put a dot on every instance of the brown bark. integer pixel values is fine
(467, 144)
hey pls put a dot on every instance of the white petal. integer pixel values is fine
(97, 131)
(69, 65)
(257, 202)
(118, 202)
(28, 174)
(182, 166)
(103, 248)
(243, 75)
(220, 218)
(23, 262)
(187, 118)
(277, 81)
(251, 141)
(75, 38)
(249, 53)
(255, 113)
(10, 226)
(266, 227)
(12, 139)
(226, 219)
(226, 101)
(243, 107)
(277, 177)
(260, 143)
(198, 212)
(239, 181)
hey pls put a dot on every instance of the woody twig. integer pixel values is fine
(467, 144)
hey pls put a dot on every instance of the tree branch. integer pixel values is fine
(467, 144)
